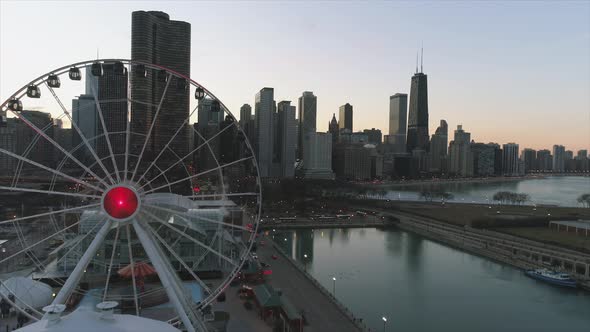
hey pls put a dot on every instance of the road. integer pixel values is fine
(321, 313)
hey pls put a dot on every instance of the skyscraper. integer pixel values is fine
(544, 160)
(286, 138)
(398, 115)
(317, 160)
(207, 114)
(460, 155)
(510, 159)
(333, 129)
(245, 115)
(307, 119)
(558, 158)
(438, 148)
(418, 115)
(7, 142)
(264, 111)
(483, 159)
(529, 157)
(345, 117)
(157, 39)
(42, 151)
(112, 86)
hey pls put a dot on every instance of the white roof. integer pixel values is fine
(87, 320)
(27, 292)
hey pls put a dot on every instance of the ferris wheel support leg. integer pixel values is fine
(76, 275)
(176, 295)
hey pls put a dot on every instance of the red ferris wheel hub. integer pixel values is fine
(120, 202)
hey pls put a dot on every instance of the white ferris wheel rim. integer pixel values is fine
(113, 179)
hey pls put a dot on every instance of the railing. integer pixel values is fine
(322, 289)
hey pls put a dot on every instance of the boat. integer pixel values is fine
(552, 277)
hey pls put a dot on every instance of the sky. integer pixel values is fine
(506, 71)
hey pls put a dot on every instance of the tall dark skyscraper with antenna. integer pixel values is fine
(418, 137)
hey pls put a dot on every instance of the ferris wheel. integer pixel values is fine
(134, 206)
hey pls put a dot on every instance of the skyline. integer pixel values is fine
(240, 60)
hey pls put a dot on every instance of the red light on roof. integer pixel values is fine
(197, 189)
(267, 272)
(120, 202)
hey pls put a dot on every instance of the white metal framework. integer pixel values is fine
(74, 211)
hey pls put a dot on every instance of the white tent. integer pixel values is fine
(27, 292)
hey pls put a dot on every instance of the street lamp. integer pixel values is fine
(305, 262)
(384, 322)
(334, 286)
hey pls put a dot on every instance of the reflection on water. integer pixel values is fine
(556, 190)
(421, 285)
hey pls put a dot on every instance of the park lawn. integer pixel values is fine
(464, 214)
(550, 236)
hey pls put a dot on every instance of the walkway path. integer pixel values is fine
(321, 313)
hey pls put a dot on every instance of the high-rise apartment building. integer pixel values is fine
(398, 116)
(558, 158)
(460, 155)
(307, 120)
(374, 136)
(317, 160)
(483, 159)
(345, 117)
(529, 157)
(438, 148)
(544, 160)
(157, 39)
(418, 135)
(264, 108)
(510, 159)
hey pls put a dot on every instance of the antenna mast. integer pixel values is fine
(422, 59)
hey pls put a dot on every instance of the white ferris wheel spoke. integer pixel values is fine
(82, 136)
(76, 275)
(180, 260)
(104, 129)
(49, 192)
(149, 134)
(49, 213)
(110, 266)
(199, 243)
(39, 242)
(201, 173)
(75, 245)
(49, 169)
(132, 270)
(127, 142)
(223, 195)
(170, 281)
(189, 154)
(59, 147)
(167, 145)
(184, 214)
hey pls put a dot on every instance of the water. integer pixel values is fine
(556, 190)
(421, 285)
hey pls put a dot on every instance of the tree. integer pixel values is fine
(426, 195)
(444, 196)
(584, 199)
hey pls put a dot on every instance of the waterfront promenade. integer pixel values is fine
(320, 311)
